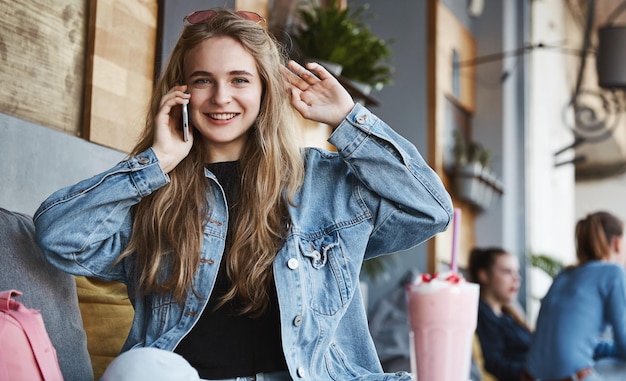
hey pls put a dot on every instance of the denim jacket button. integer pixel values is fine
(316, 254)
(361, 119)
(293, 263)
(297, 321)
(301, 372)
(143, 160)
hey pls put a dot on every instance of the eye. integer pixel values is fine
(240, 81)
(200, 82)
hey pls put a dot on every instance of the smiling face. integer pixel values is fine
(226, 89)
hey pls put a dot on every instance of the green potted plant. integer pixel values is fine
(377, 268)
(340, 36)
(474, 181)
(547, 263)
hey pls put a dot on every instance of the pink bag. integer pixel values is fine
(26, 352)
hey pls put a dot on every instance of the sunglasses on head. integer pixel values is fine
(199, 17)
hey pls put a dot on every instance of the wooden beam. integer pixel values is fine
(445, 33)
(120, 70)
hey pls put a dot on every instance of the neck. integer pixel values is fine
(495, 306)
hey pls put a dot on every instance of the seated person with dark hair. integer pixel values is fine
(504, 337)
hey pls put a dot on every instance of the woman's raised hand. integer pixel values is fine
(318, 97)
(168, 144)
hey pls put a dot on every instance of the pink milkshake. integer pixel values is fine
(442, 314)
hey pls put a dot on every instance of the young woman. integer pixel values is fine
(242, 252)
(581, 303)
(504, 337)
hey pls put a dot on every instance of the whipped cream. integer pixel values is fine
(431, 283)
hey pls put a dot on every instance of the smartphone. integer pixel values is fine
(185, 122)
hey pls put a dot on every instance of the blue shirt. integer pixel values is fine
(374, 196)
(504, 343)
(574, 314)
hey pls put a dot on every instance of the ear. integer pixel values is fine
(483, 277)
(616, 244)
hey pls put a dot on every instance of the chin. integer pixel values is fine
(512, 298)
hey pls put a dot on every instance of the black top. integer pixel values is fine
(504, 343)
(223, 343)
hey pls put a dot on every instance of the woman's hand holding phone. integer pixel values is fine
(171, 142)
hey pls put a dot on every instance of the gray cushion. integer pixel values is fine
(46, 289)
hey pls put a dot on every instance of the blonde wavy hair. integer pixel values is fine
(167, 232)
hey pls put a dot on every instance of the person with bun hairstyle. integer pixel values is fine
(583, 301)
(503, 335)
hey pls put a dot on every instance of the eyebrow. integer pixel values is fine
(232, 72)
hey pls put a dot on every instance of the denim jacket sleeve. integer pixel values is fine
(83, 228)
(408, 199)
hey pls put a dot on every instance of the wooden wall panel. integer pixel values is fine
(120, 70)
(42, 59)
(259, 6)
(445, 34)
(452, 35)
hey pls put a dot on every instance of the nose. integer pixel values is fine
(221, 94)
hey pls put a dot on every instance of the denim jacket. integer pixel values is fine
(374, 196)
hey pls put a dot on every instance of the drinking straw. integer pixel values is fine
(455, 238)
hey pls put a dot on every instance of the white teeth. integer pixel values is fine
(222, 116)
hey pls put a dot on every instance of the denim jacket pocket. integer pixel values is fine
(337, 364)
(160, 315)
(327, 274)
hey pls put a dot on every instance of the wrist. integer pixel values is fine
(346, 110)
(165, 161)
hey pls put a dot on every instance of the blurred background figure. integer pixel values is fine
(503, 335)
(585, 300)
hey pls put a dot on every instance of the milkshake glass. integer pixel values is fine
(443, 311)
